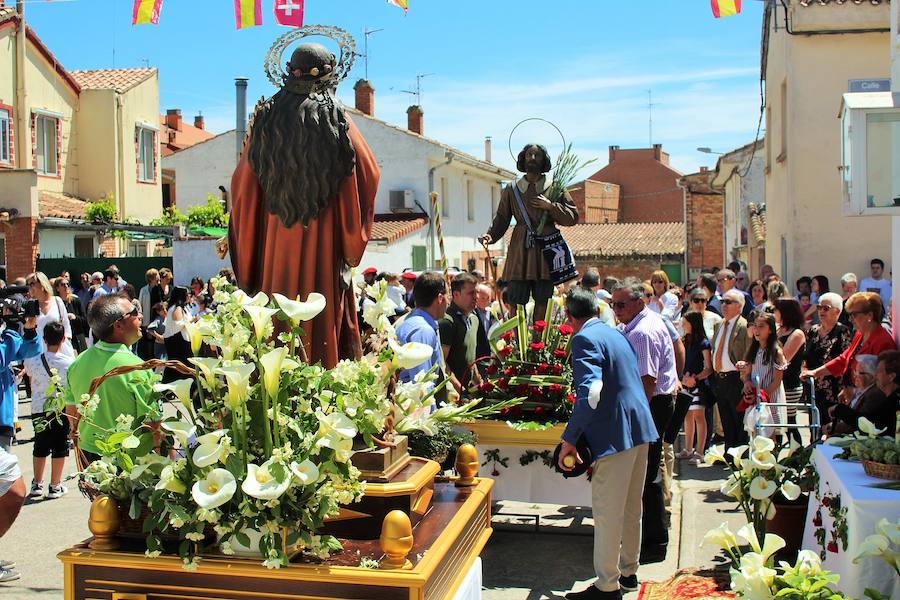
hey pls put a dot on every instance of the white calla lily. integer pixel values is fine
(260, 299)
(808, 563)
(762, 460)
(261, 317)
(410, 354)
(874, 545)
(271, 363)
(305, 472)
(788, 451)
(761, 488)
(715, 454)
(182, 390)
(336, 423)
(215, 489)
(262, 484)
(169, 481)
(298, 311)
(790, 490)
(238, 379)
(720, 537)
(207, 368)
(761, 444)
(737, 454)
(732, 486)
(868, 427)
(211, 448)
(889, 530)
(771, 544)
(195, 335)
(181, 431)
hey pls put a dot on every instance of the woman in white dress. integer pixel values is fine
(52, 308)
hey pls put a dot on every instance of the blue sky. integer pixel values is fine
(584, 64)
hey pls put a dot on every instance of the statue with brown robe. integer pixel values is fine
(303, 202)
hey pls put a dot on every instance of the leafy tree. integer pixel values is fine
(102, 210)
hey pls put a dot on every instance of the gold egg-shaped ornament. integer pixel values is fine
(466, 465)
(396, 540)
(103, 522)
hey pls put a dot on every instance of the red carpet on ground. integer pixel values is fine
(689, 584)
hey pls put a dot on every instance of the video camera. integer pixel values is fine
(16, 311)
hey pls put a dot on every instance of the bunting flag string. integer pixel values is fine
(146, 12)
(289, 12)
(247, 13)
(404, 4)
(725, 8)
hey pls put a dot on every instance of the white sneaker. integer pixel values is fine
(37, 489)
(7, 564)
(8, 575)
(56, 491)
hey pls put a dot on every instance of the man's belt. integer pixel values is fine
(725, 374)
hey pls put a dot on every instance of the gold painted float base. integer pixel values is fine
(447, 542)
(501, 434)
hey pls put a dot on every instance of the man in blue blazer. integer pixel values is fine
(611, 413)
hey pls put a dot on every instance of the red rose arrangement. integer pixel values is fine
(530, 363)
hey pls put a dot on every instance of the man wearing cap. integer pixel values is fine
(408, 281)
(612, 414)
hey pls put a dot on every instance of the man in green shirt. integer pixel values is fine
(459, 332)
(116, 321)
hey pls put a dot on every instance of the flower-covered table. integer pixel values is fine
(865, 506)
(445, 565)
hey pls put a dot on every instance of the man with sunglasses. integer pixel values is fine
(649, 337)
(727, 281)
(730, 343)
(116, 323)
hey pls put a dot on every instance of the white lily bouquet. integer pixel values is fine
(759, 471)
(754, 575)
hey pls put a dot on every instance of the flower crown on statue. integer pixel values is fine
(327, 76)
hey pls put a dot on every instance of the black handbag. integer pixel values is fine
(553, 247)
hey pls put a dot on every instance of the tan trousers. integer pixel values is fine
(667, 471)
(616, 490)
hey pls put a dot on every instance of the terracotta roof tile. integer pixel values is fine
(61, 206)
(390, 228)
(758, 221)
(120, 80)
(623, 239)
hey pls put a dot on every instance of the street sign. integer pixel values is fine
(869, 85)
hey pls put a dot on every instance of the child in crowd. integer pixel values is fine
(763, 370)
(157, 329)
(51, 437)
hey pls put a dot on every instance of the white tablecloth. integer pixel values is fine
(865, 507)
(470, 588)
(535, 482)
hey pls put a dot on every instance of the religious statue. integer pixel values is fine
(303, 194)
(527, 269)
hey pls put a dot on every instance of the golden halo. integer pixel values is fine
(274, 63)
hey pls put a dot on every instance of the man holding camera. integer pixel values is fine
(13, 347)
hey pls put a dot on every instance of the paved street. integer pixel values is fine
(519, 563)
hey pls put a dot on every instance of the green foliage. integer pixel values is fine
(532, 455)
(445, 440)
(102, 211)
(212, 214)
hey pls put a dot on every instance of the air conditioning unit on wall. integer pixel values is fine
(403, 200)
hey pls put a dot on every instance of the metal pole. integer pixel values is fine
(240, 128)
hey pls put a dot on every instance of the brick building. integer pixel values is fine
(648, 186)
(705, 223)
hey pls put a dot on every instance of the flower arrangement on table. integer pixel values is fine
(759, 471)
(754, 575)
(260, 451)
(530, 362)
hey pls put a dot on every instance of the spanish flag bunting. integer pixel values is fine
(247, 13)
(404, 4)
(725, 8)
(146, 11)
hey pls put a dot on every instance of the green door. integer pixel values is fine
(673, 271)
(419, 258)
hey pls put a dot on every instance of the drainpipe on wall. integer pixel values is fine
(240, 111)
(687, 246)
(22, 136)
(120, 167)
(449, 156)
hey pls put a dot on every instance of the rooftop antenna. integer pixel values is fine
(418, 92)
(650, 105)
(365, 55)
(146, 62)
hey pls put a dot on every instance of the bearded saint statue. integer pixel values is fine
(303, 202)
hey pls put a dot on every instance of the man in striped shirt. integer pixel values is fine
(650, 339)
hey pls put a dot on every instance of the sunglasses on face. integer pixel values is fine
(619, 305)
(727, 301)
(824, 308)
(698, 300)
(134, 312)
(721, 279)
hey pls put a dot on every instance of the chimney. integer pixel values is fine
(173, 119)
(365, 97)
(198, 121)
(415, 119)
(612, 153)
(240, 126)
(487, 149)
(657, 151)
(704, 169)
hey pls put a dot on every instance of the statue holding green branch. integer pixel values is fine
(538, 258)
